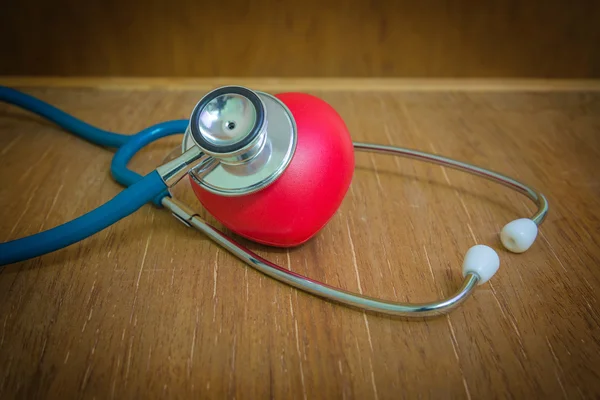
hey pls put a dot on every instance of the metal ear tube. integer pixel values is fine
(480, 262)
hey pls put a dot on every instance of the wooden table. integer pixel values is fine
(149, 308)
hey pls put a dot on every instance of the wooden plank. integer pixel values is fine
(312, 38)
(310, 84)
(148, 308)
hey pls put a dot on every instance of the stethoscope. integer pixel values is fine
(238, 142)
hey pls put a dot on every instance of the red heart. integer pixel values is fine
(305, 197)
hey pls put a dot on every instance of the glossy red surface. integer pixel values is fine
(305, 197)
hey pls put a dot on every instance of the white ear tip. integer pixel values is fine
(518, 236)
(482, 261)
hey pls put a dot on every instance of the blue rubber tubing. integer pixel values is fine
(118, 166)
(139, 189)
(123, 204)
(62, 119)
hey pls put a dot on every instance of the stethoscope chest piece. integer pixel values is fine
(284, 177)
(230, 124)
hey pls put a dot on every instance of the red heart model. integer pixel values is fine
(305, 197)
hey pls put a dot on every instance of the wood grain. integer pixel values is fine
(311, 38)
(148, 308)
